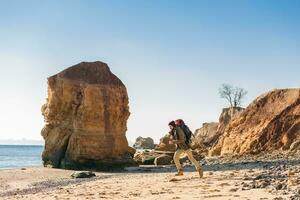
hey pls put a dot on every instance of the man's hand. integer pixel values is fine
(171, 142)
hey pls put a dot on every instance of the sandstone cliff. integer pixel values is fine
(270, 122)
(86, 119)
(204, 137)
(206, 134)
(209, 134)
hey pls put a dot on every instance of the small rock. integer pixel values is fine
(278, 198)
(297, 191)
(263, 184)
(174, 180)
(291, 173)
(258, 177)
(254, 185)
(279, 186)
(231, 174)
(295, 197)
(233, 189)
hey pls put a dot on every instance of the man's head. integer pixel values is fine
(172, 125)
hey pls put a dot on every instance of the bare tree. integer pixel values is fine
(239, 95)
(234, 95)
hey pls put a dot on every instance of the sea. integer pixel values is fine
(19, 156)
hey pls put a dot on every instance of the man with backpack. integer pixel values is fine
(182, 141)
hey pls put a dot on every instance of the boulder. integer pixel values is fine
(164, 144)
(86, 119)
(145, 157)
(163, 160)
(84, 174)
(271, 122)
(148, 160)
(144, 143)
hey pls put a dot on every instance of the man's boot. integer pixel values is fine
(200, 171)
(179, 173)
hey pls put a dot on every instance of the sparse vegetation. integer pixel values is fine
(234, 95)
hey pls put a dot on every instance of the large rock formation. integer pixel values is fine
(144, 143)
(209, 133)
(86, 119)
(271, 122)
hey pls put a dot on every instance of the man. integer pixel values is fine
(182, 146)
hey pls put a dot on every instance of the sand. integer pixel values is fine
(135, 183)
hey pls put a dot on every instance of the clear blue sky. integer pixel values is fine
(172, 55)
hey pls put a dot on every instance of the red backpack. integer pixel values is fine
(188, 133)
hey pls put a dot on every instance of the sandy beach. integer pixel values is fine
(150, 100)
(255, 180)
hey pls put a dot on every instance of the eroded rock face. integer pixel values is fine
(86, 119)
(227, 115)
(270, 122)
(208, 135)
(144, 143)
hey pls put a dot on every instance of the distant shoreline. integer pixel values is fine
(21, 167)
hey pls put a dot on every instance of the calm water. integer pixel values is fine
(17, 156)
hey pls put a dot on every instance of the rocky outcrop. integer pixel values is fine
(271, 122)
(227, 115)
(209, 133)
(86, 119)
(206, 134)
(164, 144)
(144, 143)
